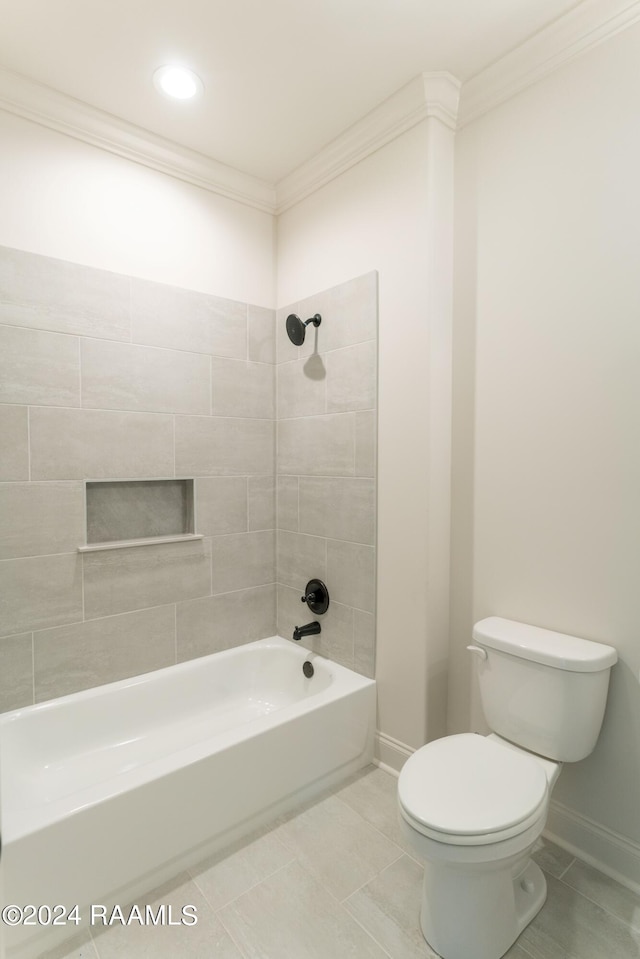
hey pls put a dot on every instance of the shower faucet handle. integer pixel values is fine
(316, 596)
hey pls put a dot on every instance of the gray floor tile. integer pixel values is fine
(373, 793)
(277, 894)
(551, 858)
(80, 947)
(337, 845)
(606, 892)
(224, 877)
(292, 916)
(205, 939)
(517, 952)
(388, 907)
(571, 927)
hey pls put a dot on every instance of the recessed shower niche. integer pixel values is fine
(126, 512)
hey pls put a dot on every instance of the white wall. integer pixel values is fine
(63, 198)
(377, 216)
(547, 393)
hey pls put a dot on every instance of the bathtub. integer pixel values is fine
(108, 792)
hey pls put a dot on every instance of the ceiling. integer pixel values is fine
(282, 77)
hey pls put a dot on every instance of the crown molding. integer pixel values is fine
(573, 34)
(427, 95)
(41, 104)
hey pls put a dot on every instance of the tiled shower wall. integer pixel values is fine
(107, 377)
(104, 376)
(326, 412)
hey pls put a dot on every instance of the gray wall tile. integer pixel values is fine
(14, 443)
(301, 387)
(210, 446)
(351, 379)
(366, 443)
(241, 388)
(120, 376)
(364, 643)
(119, 580)
(243, 559)
(40, 518)
(47, 294)
(162, 365)
(291, 612)
(229, 334)
(335, 641)
(16, 671)
(100, 651)
(317, 445)
(349, 314)
(260, 331)
(220, 622)
(351, 574)
(221, 505)
(287, 502)
(338, 508)
(262, 502)
(138, 509)
(39, 368)
(300, 558)
(187, 320)
(92, 444)
(40, 591)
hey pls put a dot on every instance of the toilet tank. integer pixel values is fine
(542, 690)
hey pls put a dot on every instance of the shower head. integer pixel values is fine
(296, 328)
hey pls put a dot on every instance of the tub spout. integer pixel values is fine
(309, 630)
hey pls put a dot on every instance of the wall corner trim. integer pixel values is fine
(427, 95)
(50, 108)
(576, 32)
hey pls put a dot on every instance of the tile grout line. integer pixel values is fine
(255, 885)
(28, 444)
(33, 666)
(403, 852)
(378, 874)
(175, 629)
(566, 869)
(623, 922)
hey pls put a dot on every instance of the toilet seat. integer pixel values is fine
(469, 790)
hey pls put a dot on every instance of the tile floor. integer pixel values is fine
(335, 879)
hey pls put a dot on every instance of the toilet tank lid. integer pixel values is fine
(544, 645)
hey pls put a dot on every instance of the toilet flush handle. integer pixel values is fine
(479, 651)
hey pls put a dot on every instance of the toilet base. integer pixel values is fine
(479, 913)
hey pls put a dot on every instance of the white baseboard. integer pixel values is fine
(390, 753)
(613, 854)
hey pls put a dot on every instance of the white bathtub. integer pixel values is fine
(107, 792)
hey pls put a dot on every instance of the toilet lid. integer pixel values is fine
(468, 785)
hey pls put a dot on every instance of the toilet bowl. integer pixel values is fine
(472, 806)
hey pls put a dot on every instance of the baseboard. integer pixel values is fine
(390, 753)
(613, 854)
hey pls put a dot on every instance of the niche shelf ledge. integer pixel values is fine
(150, 541)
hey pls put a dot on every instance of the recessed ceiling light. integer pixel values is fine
(177, 82)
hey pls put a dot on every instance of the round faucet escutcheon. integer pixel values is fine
(316, 596)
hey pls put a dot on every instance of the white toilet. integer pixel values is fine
(474, 806)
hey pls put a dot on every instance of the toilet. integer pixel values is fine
(473, 806)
